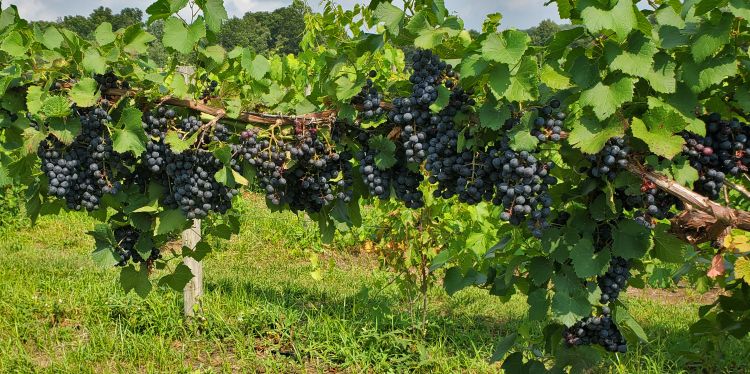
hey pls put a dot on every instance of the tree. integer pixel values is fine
(248, 31)
(544, 32)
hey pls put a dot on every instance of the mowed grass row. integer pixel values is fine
(263, 311)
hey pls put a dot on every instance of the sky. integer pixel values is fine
(520, 14)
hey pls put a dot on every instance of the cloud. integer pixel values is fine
(520, 14)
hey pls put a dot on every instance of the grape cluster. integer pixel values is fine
(614, 280)
(369, 98)
(548, 124)
(610, 159)
(109, 80)
(651, 204)
(723, 151)
(406, 185)
(209, 89)
(378, 181)
(193, 186)
(127, 238)
(600, 330)
(414, 143)
(268, 159)
(155, 124)
(79, 173)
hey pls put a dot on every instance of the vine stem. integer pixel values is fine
(737, 187)
(326, 116)
(704, 220)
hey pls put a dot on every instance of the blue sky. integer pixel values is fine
(516, 13)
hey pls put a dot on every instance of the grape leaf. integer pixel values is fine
(84, 93)
(666, 246)
(701, 76)
(13, 44)
(742, 269)
(507, 47)
(540, 270)
(56, 106)
(170, 221)
(181, 38)
(630, 240)
(621, 18)
(657, 129)
(104, 254)
(390, 15)
(502, 347)
(103, 34)
(684, 174)
(136, 40)
(711, 37)
(129, 136)
(385, 158)
(606, 99)
(214, 12)
(586, 263)
(538, 304)
(740, 8)
(132, 279)
(178, 279)
(499, 80)
(94, 62)
(524, 84)
(52, 38)
(589, 134)
(635, 59)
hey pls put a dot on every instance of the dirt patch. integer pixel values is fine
(681, 294)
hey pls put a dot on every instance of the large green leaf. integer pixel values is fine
(507, 47)
(590, 134)
(586, 263)
(180, 37)
(84, 93)
(390, 15)
(658, 130)
(636, 58)
(630, 240)
(621, 18)
(214, 12)
(701, 76)
(606, 99)
(137, 280)
(103, 33)
(129, 136)
(711, 37)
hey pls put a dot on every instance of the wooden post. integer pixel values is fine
(194, 289)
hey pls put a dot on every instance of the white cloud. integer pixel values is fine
(516, 13)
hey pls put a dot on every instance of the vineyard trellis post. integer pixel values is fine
(193, 291)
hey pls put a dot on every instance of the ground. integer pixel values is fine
(264, 312)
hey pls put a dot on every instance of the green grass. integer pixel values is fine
(264, 312)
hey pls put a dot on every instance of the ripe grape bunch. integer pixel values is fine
(652, 203)
(600, 330)
(81, 172)
(378, 181)
(109, 80)
(369, 99)
(549, 123)
(209, 89)
(723, 151)
(611, 158)
(614, 280)
(126, 238)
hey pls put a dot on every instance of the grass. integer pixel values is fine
(264, 312)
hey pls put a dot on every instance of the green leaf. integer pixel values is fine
(162, 9)
(538, 304)
(606, 99)
(259, 67)
(667, 247)
(586, 263)
(214, 12)
(635, 59)
(443, 98)
(540, 270)
(589, 134)
(178, 279)
(84, 93)
(658, 129)
(181, 38)
(699, 77)
(684, 174)
(627, 324)
(386, 152)
(520, 136)
(499, 80)
(94, 62)
(507, 47)
(740, 8)
(13, 45)
(136, 40)
(52, 38)
(524, 84)
(103, 34)
(662, 76)
(129, 136)
(56, 106)
(502, 347)
(630, 240)
(621, 18)
(346, 89)
(131, 279)
(569, 308)
(420, 21)
(390, 15)
(561, 42)
(553, 78)
(104, 254)
(274, 95)
(475, 65)
(430, 38)
(34, 99)
(170, 221)
(711, 37)
(178, 145)
(491, 117)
